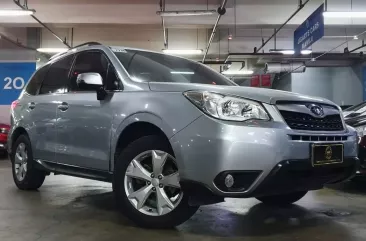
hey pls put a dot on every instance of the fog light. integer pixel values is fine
(229, 181)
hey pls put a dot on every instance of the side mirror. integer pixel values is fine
(91, 79)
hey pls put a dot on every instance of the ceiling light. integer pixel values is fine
(344, 14)
(183, 51)
(13, 12)
(185, 13)
(52, 50)
(237, 72)
(290, 51)
(287, 52)
(230, 37)
(355, 37)
(181, 72)
(282, 51)
(306, 51)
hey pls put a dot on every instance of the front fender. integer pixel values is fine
(117, 128)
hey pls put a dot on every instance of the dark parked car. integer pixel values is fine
(4, 130)
(355, 116)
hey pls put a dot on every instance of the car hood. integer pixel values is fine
(269, 96)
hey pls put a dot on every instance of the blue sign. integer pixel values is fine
(309, 31)
(13, 77)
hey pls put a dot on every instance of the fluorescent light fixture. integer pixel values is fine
(183, 51)
(185, 13)
(181, 72)
(344, 14)
(290, 51)
(282, 51)
(237, 72)
(13, 12)
(306, 51)
(52, 50)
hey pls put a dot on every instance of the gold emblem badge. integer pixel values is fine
(328, 152)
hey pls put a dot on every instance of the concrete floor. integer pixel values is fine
(67, 208)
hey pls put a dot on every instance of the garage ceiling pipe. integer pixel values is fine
(301, 6)
(221, 11)
(4, 37)
(25, 7)
(162, 9)
(360, 47)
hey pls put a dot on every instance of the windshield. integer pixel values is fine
(359, 108)
(154, 67)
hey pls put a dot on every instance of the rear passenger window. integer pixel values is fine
(36, 81)
(57, 77)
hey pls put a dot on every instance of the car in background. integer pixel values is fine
(355, 116)
(4, 130)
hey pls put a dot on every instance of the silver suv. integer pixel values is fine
(171, 134)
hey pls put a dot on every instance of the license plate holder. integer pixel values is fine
(325, 154)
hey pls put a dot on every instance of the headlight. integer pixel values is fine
(227, 107)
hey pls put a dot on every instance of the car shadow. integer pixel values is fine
(355, 186)
(224, 220)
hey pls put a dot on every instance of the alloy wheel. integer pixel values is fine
(152, 183)
(20, 161)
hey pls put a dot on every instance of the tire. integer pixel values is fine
(174, 217)
(283, 199)
(32, 178)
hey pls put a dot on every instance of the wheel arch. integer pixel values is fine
(136, 126)
(18, 131)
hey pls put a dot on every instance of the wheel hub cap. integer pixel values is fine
(155, 182)
(152, 183)
(20, 162)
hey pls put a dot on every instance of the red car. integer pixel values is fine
(4, 130)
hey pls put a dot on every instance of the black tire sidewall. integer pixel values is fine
(32, 176)
(177, 216)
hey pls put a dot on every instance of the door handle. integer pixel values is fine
(64, 106)
(31, 105)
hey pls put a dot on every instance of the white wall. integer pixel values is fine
(314, 82)
(347, 85)
(342, 85)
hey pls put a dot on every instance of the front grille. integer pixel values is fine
(317, 138)
(302, 121)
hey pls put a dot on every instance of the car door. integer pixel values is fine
(84, 123)
(41, 103)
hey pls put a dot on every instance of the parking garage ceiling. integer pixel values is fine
(248, 12)
(248, 21)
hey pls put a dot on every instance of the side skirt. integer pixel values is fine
(75, 171)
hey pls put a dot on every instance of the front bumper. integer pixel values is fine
(209, 147)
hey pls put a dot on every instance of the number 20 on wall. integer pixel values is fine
(16, 83)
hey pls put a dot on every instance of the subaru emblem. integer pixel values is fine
(317, 110)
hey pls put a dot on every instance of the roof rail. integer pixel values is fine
(77, 46)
